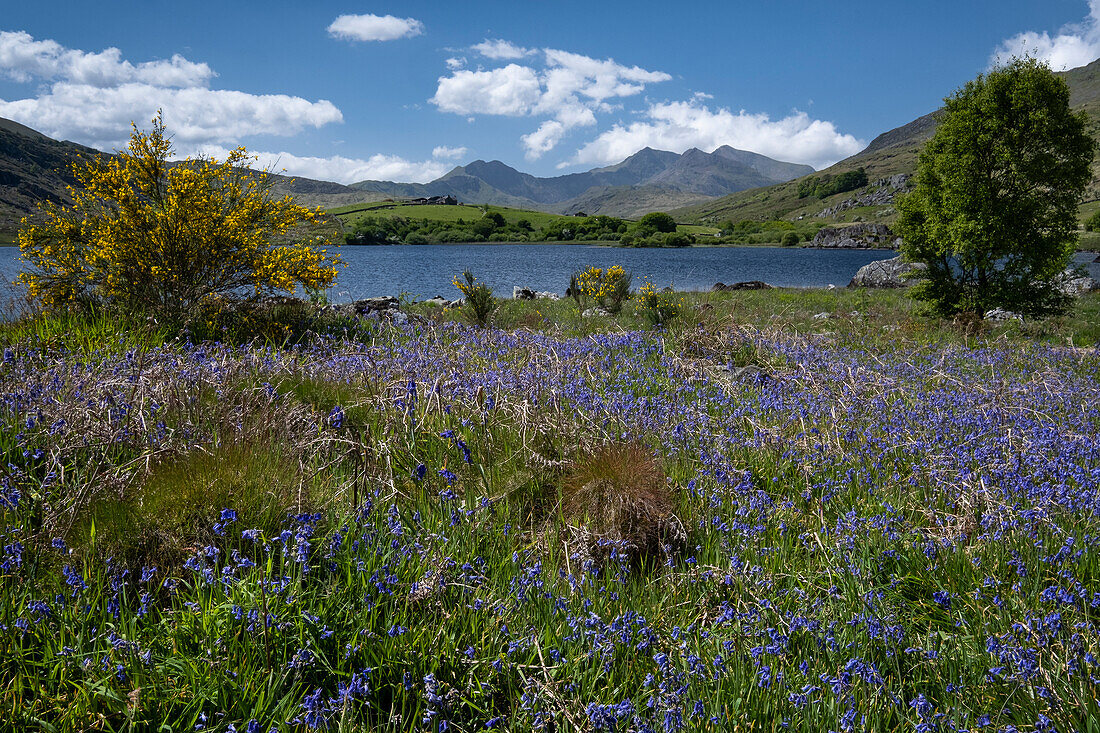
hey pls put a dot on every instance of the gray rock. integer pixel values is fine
(886, 274)
(745, 285)
(594, 312)
(879, 193)
(821, 316)
(1075, 282)
(998, 315)
(382, 303)
(522, 293)
(855, 236)
(438, 301)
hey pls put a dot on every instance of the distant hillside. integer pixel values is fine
(649, 180)
(34, 168)
(890, 155)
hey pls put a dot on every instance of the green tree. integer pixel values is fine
(1093, 223)
(658, 221)
(993, 212)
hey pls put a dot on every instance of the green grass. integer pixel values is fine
(348, 215)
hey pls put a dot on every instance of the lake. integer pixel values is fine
(424, 271)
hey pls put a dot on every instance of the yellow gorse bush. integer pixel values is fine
(152, 235)
(607, 288)
(478, 303)
(656, 306)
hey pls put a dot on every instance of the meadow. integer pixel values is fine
(745, 518)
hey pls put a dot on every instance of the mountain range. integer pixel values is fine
(33, 167)
(630, 188)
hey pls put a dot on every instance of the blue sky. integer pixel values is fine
(346, 91)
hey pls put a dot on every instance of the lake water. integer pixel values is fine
(423, 271)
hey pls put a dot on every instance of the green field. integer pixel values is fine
(350, 215)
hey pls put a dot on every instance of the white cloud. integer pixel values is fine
(371, 27)
(1075, 45)
(444, 152)
(544, 139)
(566, 88)
(340, 169)
(24, 59)
(512, 91)
(678, 126)
(101, 117)
(501, 49)
(455, 63)
(93, 97)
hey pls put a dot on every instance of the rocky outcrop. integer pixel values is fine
(892, 274)
(886, 274)
(855, 236)
(1000, 315)
(522, 293)
(747, 285)
(1075, 282)
(879, 193)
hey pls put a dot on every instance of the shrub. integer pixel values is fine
(153, 236)
(479, 302)
(790, 239)
(1093, 222)
(608, 289)
(656, 307)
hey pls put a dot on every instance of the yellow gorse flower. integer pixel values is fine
(163, 235)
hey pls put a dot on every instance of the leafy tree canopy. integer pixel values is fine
(993, 213)
(657, 221)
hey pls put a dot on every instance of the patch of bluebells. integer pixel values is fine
(858, 514)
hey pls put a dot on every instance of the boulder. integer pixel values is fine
(886, 274)
(746, 285)
(381, 303)
(855, 236)
(998, 315)
(1075, 282)
(521, 293)
(438, 301)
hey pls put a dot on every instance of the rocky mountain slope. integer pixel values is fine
(889, 159)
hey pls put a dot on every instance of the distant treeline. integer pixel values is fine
(652, 230)
(826, 185)
(776, 231)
